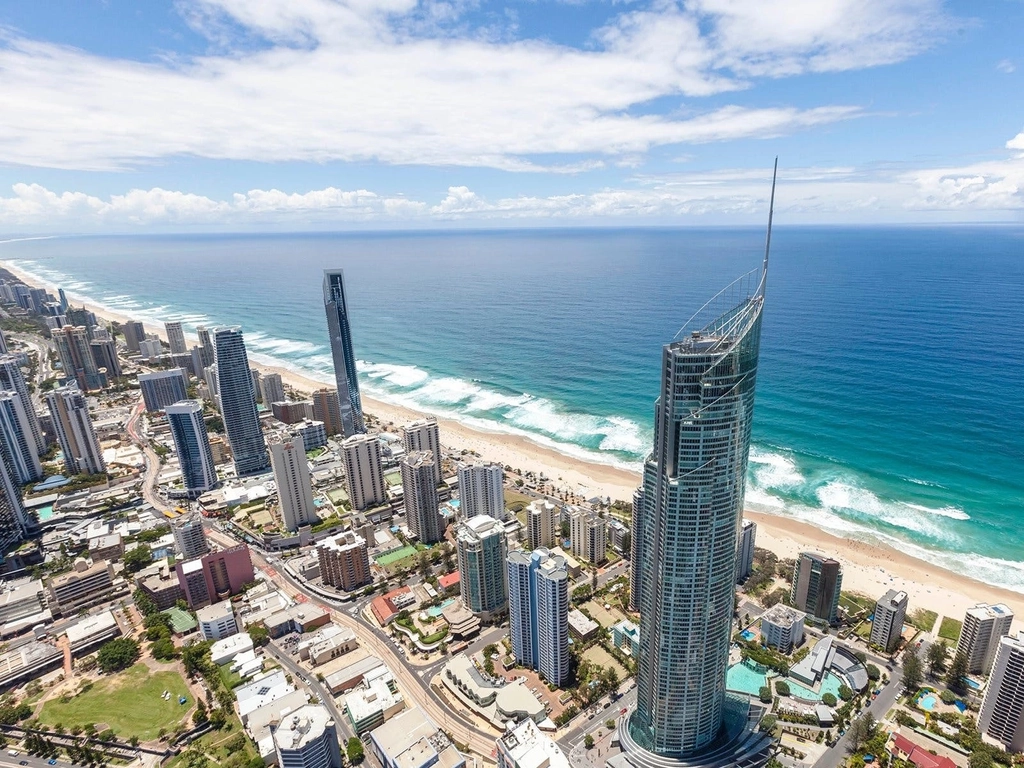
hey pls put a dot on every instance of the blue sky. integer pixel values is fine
(327, 114)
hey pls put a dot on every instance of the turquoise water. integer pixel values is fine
(747, 635)
(830, 684)
(927, 702)
(45, 513)
(891, 358)
(745, 678)
(435, 610)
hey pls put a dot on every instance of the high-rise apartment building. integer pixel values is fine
(151, 349)
(422, 435)
(482, 491)
(11, 379)
(215, 576)
(887, 624)
(327, 409)
(344, 561)
(163, 388)
(17, 439)
(291, 411)
(294, 486)
(192, 444)
(307, 738)
(76, 358)
(687, 531)
(78, 443)
(983, 627)
(543, 524)
(4, 349)
(364, 471)
(104, 354)
(190, 537)
(272, 389)
(1002, 710)
(745, 550)
(134, 334)
(538, 608)
(482, 551)
(238, 402)
(634, 591)
(588, 535)
(340, 329)
(817, 583)
(206, 351)
(419, 490)
(176, 338)
(13, 518)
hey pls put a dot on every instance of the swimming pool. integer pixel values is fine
(45, 513)
(972, 683)
(435, 611)
(927, 701)
(747, 635)
(831, 684)
(746, 677)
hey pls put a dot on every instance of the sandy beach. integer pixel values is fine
(868, 568)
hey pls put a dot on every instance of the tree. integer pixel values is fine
(163, 649)
(588, 741)
(981, 757)
(354, 750)
(874, 673)
(782, 687)
(937, 654)
(765, 694)
(956, 678)
(767, 724)
(145, 605)
(259, 635)
(193, 758)
(845, 692)
(138, 558)
(913, 674)
(861, 731)
(828, 699)
(118, 654)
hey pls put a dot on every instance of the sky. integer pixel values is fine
(233, 115)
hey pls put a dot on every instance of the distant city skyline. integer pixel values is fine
(209, 114)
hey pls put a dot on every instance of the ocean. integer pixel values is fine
(890, 402)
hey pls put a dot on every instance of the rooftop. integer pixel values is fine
(90, 627)
(215, 612)
(529, 748)
(782, 615)
(306, 724)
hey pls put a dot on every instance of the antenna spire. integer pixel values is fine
(768, 237)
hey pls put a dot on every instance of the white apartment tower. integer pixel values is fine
(538, 607)
(588, 534)
(11, 379)
(176, 338)
(307, 738)
(294, 487)
(364, 471)
(18, 439)
(887, 626)
(421, 500)
(1002, 710)
(481, 491)
(272, 389)
(745, 550)
(983, 626)
(543, 521)
(70, 412)
(422, 435)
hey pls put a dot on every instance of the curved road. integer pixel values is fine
(152, 463)
(464, 731)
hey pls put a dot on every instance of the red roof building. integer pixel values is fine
(386, 607)
(916, 755)
(449, 580)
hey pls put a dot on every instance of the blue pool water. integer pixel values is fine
(927, 702)
(436, 610)
(746, 678)
(746, 634)
(972, 683)
(45, 513)
(831, 684)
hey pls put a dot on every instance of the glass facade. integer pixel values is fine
(238, 402)
(344, 356)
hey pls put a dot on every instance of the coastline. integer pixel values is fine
(870, 568)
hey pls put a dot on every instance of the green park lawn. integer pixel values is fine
(129, 702)
(950, 628)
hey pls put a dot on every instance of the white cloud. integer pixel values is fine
(407, 82)
(1017, 142)
(1006, 67)
(990, 190)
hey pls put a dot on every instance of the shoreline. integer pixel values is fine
(869, 568)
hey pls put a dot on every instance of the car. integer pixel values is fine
(52, 761)
(23, 762)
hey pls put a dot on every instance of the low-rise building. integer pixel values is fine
(23, 606)
(498, 701)
(902, 748)
(526, 747)
(217, 621)
(782, 627)
(462, 622)
(387, 607)
(581, 626)
(91, 632)
(347, 678)
(107, 547)
(88, 584)
(327, 643)
(28, 661)
(162, 587)
(296, 618)
(263, 690)
(626, 637)
(227, 648)
(410, 740)
(374, 702)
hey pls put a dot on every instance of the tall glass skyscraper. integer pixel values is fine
(685, 528)
(238, 402)
(341, 349)
(192, 444)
